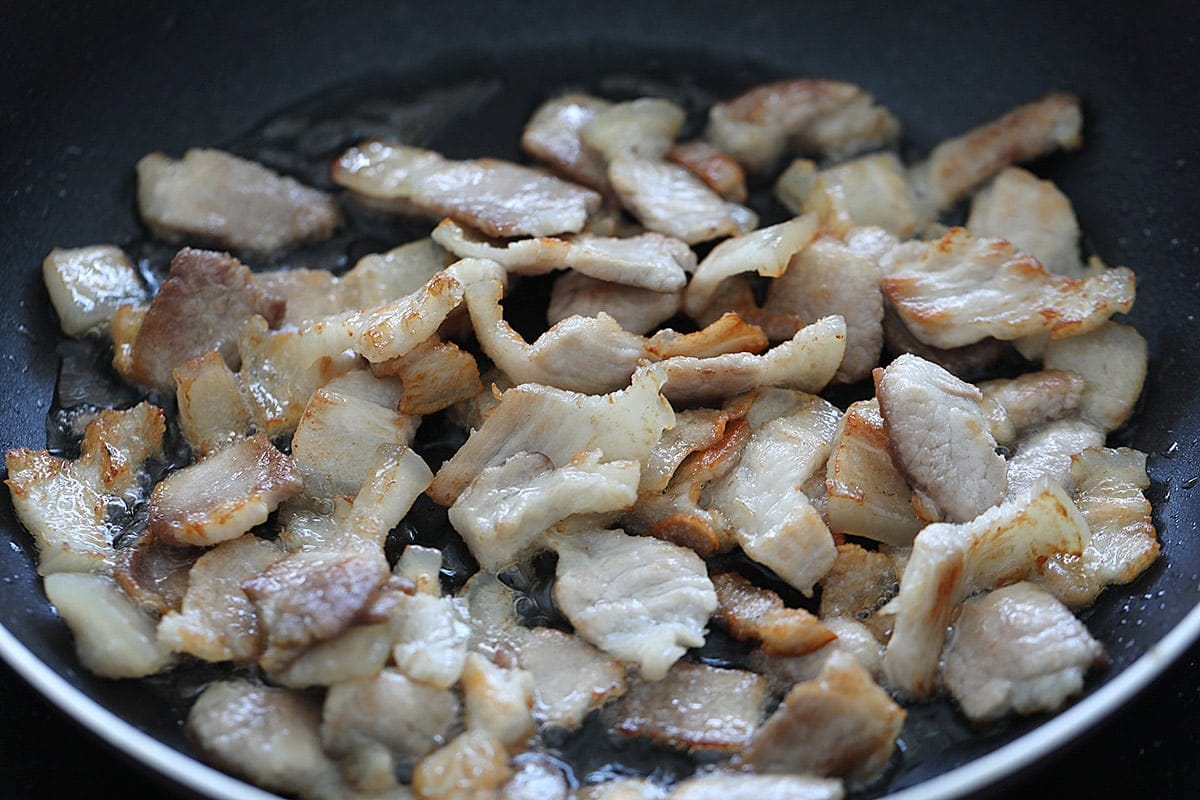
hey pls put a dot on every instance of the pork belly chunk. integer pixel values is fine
(552, 136)
(640, 599)
(645, 126)
(538, 778)
(473, 765)
(1017, 649)
(841, 724)
(571, 677)
(939, 438)
(1112, 360)
(635, 309)
(214, 198)
(88, 284)
(741, 786)
(749, 612)
(950, 562)
(496, 197)
(858, 584)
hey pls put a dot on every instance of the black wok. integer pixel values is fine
(86, 90)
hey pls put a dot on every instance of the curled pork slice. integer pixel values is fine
(64, 504)
(764, 501)
(503, 514)
(1017, 649)
(694, 430)
(695, 708)
(213, 410)
(830, 277)
(939, 438)
(840, 724)
(552, 136)
(216, 198)
(434, 375)
(669, 199)
(635, 309)
(1047, 451)
(200, 306)
(1109, 490)
(1112, 360)
(88, 284)
(949, 562)
(729, 333)
(957, 166)
(743, 786)
(560, 424)
(648, 261)
(822, 117)
(498, 700)
(640, 599)
(571, 677)
(225, 495)
(873, 189)
(713, 166)
(473, 765)
(501, 199)
(961, 289)
(1017, 405)
(867, 494)
(751, 613)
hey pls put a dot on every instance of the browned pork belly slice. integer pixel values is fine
(939, 438)
(821, 117)
(950, 562)
(640, 599)
(1112, 360)
(1017, 405)
(498, 700)
(635, 309)
(497, 197)
(88, 284)
(473, 765)
(751, 613)
(213, 410)
(434, 375)
(858, 584)
(744, 786)
(215, 198)
(961, 289)
(695, 708)
(1046, 452)
(729, 333)
(431, 639)
(1016, 649)
(715, 167)
(873, 189)
(694, 430)
(644, 127)
(957, 166)
(571, 677)
(552, 136)
(840, 724)
(853, 638)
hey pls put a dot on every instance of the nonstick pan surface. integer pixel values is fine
(86, 90)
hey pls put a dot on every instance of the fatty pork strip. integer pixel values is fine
(1108, 487)
(88, 284)
(695, 707)
(715, 167)
(1113, 361)
(858, 584)
(211, 197)
(64, 503)
(743, 786)
(1016, 649)
(951, 561)
(636, 310)
(552, 136)
(499, 198)
(751, 613)
(939, 438)
(873, 188)
(961, 289)
(822, 117)
(957, 166)
(642, 600)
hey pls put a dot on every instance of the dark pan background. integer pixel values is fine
(88, 88)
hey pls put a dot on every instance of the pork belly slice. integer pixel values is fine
(744, 786)
(635, 309)
(764, 501)
(961, 289)
(645, 127)
(853, 638)
(840, 724)
(473, 765)
(213, 409)
(736, 295)
(858, 584)
(939, 438)
(1109, 490)
(552, 136)
(648, 261)
(867, 495)
(1047, 451)
(821, 117)
(503, 514)
(807, 362)
(723, 174)
(433, 376)
(423, 566)
(957, 166)
(1112, 360)
(829, 277)
(497, 197)
(729, 333)
(154, 572)
(571, 677)
(694, 430)
(432, 639)
(112, 634)
(216, 620)
(873, 189)
(751, 613)
(669, 199)
(560, 424)
(950, 562)
(216, 198)
(695, 707)
(223, 496)
(64, 504)
(536, 778)
(1017, 649)
(640, 599)
(498, 701)
(971, 362)
(1017, 405)
(766, 251)
(88, 284)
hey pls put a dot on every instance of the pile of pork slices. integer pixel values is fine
(946, 529)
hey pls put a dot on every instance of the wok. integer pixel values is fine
(85, 90)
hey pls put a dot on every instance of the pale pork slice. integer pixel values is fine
(213, 409)
(854, 638)
(1113, 360)
(743, 786)
(432, 639)
(216, 198)
(552, 136)
(635, 309)
(497, 197)
(498, 700)
(1017, 649)
(873, 188)
(949, 562)
(474, 764)
(571, 677)
(1047, 451)
(723, 174)
(421, 565)
(752, 613)
(1017, 405)
(962, 288)
(645, 127)
(640, 599)
(88, 284)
